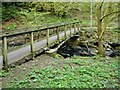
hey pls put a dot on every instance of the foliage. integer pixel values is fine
(85, 72)
(12, 26)
(3, 73)
(9, 13)
(60, 9)
(10, 9)
(55, 55)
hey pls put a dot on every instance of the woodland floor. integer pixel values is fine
(47, 71)
(80, 72)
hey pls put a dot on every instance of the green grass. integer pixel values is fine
(78, 72)
(31, 19)
(87, 23)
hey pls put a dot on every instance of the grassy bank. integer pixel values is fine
(77, 72)
(31, 19)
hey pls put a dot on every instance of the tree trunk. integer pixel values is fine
(100, 43)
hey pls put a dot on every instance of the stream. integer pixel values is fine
(85, 44)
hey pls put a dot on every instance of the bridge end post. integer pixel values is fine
(4, 53)
(32, 44)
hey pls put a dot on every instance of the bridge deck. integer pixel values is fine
(22, 52)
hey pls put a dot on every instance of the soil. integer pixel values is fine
(41, 61)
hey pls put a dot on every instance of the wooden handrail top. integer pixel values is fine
(39, 29)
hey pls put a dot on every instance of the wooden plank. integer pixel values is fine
(47, 37)
(4, 53)
(32, 44)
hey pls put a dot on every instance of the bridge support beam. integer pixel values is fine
(32, 44)
(4, 53)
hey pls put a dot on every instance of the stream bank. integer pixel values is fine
(85, 44)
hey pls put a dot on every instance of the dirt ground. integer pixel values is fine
(41, 61)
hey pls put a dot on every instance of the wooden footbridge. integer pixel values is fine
(37, 40)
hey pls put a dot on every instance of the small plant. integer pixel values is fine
(11, 26)
(55, 55)
(3, 73)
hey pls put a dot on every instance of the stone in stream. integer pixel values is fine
(93, 51)
(114, 45)
(108, 52)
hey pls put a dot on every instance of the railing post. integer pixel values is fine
(39, 34)
(58, 37)
(4, 53)
(78, 27)
(32, 44)
(74, 28)
(47, 37)
(70, 29)
(65, 34)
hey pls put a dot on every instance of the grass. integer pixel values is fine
(86, 23)
(31, 19)
(77, 72)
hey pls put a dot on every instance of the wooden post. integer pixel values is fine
(77, 27)
(39, 34)
(74, 28)
(70, 29)
(4, 53)
(80, 26)
(58, 38)
(47, 37)
(32, 44)
(65, 34)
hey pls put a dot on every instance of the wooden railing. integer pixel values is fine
(67, 26)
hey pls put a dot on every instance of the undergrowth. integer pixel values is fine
(77, 72)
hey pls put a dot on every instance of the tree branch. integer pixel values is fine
(109, 14)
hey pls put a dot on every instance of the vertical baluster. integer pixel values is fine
(32, 44)
(4, 53)
(65, 34)
(47, 37)
(70, 29)
(77, 27)
(74, 28)
(58, 38)
(80, 25)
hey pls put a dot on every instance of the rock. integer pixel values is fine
(84, 53)
(115, 53)
(93, 51)
(114, 45)
(108, 52)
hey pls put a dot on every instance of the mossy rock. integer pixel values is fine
(55, 55)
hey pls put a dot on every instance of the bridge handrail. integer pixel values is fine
(75, 24)
(39, 29)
